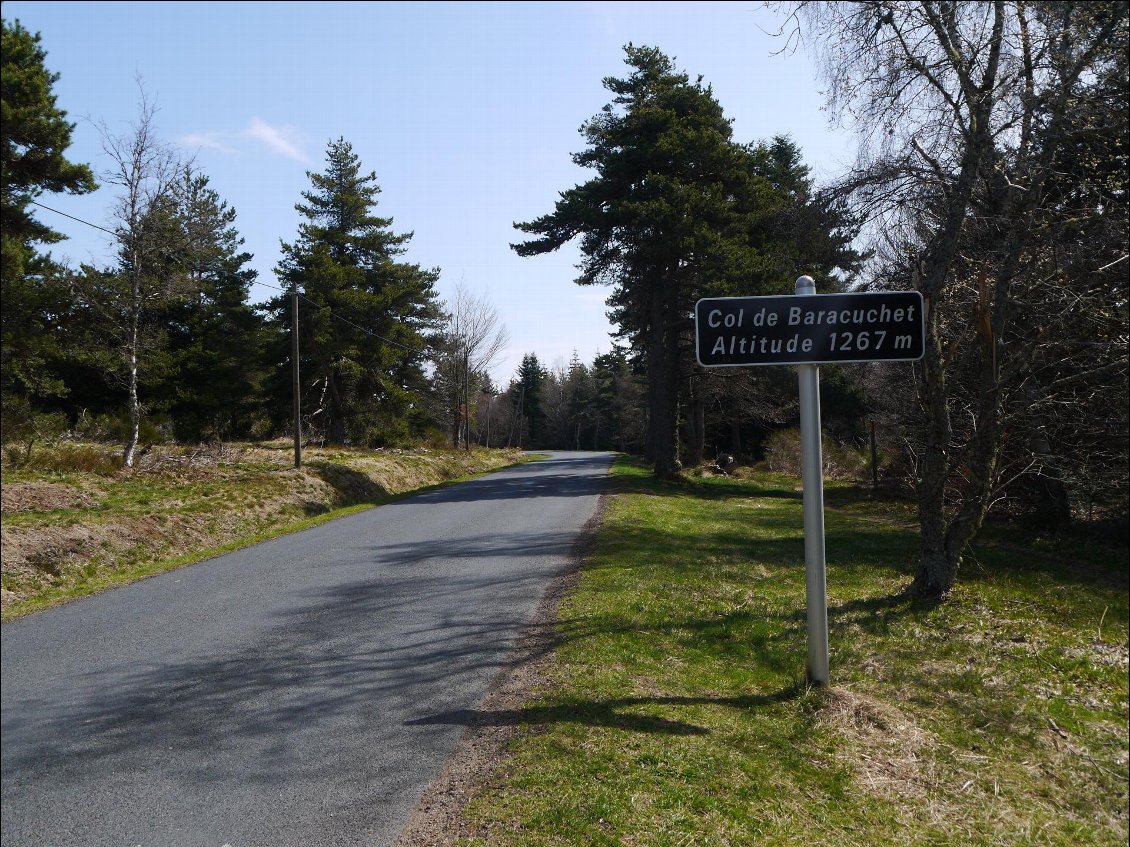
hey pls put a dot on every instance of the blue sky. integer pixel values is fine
(467, 112)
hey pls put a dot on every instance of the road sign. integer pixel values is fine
(816, 329)
(810, 329)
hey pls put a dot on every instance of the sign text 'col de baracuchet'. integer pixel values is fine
(821, 328)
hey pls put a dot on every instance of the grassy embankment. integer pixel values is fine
(673, 715)
(74, 523)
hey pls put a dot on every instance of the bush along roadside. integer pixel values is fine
(674, 710)
(75, 522)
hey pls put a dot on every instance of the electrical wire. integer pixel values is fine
(73, 218)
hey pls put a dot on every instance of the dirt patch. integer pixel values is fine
(50, 555)
(480, 754)
(1103, 653)
(46, 552)
(43, 497)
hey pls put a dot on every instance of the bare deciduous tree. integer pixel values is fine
(470, 346)
(967, 113)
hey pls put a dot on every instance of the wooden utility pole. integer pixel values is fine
(515, 420)
(296, 382)
(467, 398)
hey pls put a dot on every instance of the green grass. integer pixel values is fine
(675, 712)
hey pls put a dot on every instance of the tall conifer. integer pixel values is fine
(677, 211)
(35, 134)
(215, 339)
(362, 370)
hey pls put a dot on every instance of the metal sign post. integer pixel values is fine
(865, 326)
(296, 382)
(812, 478)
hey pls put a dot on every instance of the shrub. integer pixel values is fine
(83, 458)
(844, 462)
(21, 424)
(261, 428)
(436, 439)
(115, 428)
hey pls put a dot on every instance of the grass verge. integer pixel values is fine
(75, 524)
(674, 713)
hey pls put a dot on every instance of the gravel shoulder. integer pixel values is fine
(480, 755)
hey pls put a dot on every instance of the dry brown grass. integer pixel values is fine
(66, 532)
(890, 756)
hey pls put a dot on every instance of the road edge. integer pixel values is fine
(437, 819)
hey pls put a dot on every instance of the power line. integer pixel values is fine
(73, 218)
(363, 329)
(264, 284)
(334, 314)
(295, 295)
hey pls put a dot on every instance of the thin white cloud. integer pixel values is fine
(281, 140)
(207, 141)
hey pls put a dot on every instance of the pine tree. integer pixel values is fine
(579, 394)
(215, 355)
(35, 134)
(528, 394)
(362, 371)
(647, 216)
(677, 211)
(618, 404)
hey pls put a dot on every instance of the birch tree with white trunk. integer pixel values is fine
(150, 243)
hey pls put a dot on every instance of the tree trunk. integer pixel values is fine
(1053, 507)
(696, 424)
(466, 408)
(134, 413)
(735, 429)
(937, 569)
(939, 561)
(662, 378)
(943, 540)
(662, 419)
(648, 444)
(134, 403)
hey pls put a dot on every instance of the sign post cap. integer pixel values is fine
(805, 285)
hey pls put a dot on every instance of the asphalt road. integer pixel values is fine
(280, 695)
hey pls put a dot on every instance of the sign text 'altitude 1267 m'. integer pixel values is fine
(821, 328)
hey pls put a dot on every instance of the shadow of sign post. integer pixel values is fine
(807, 330)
